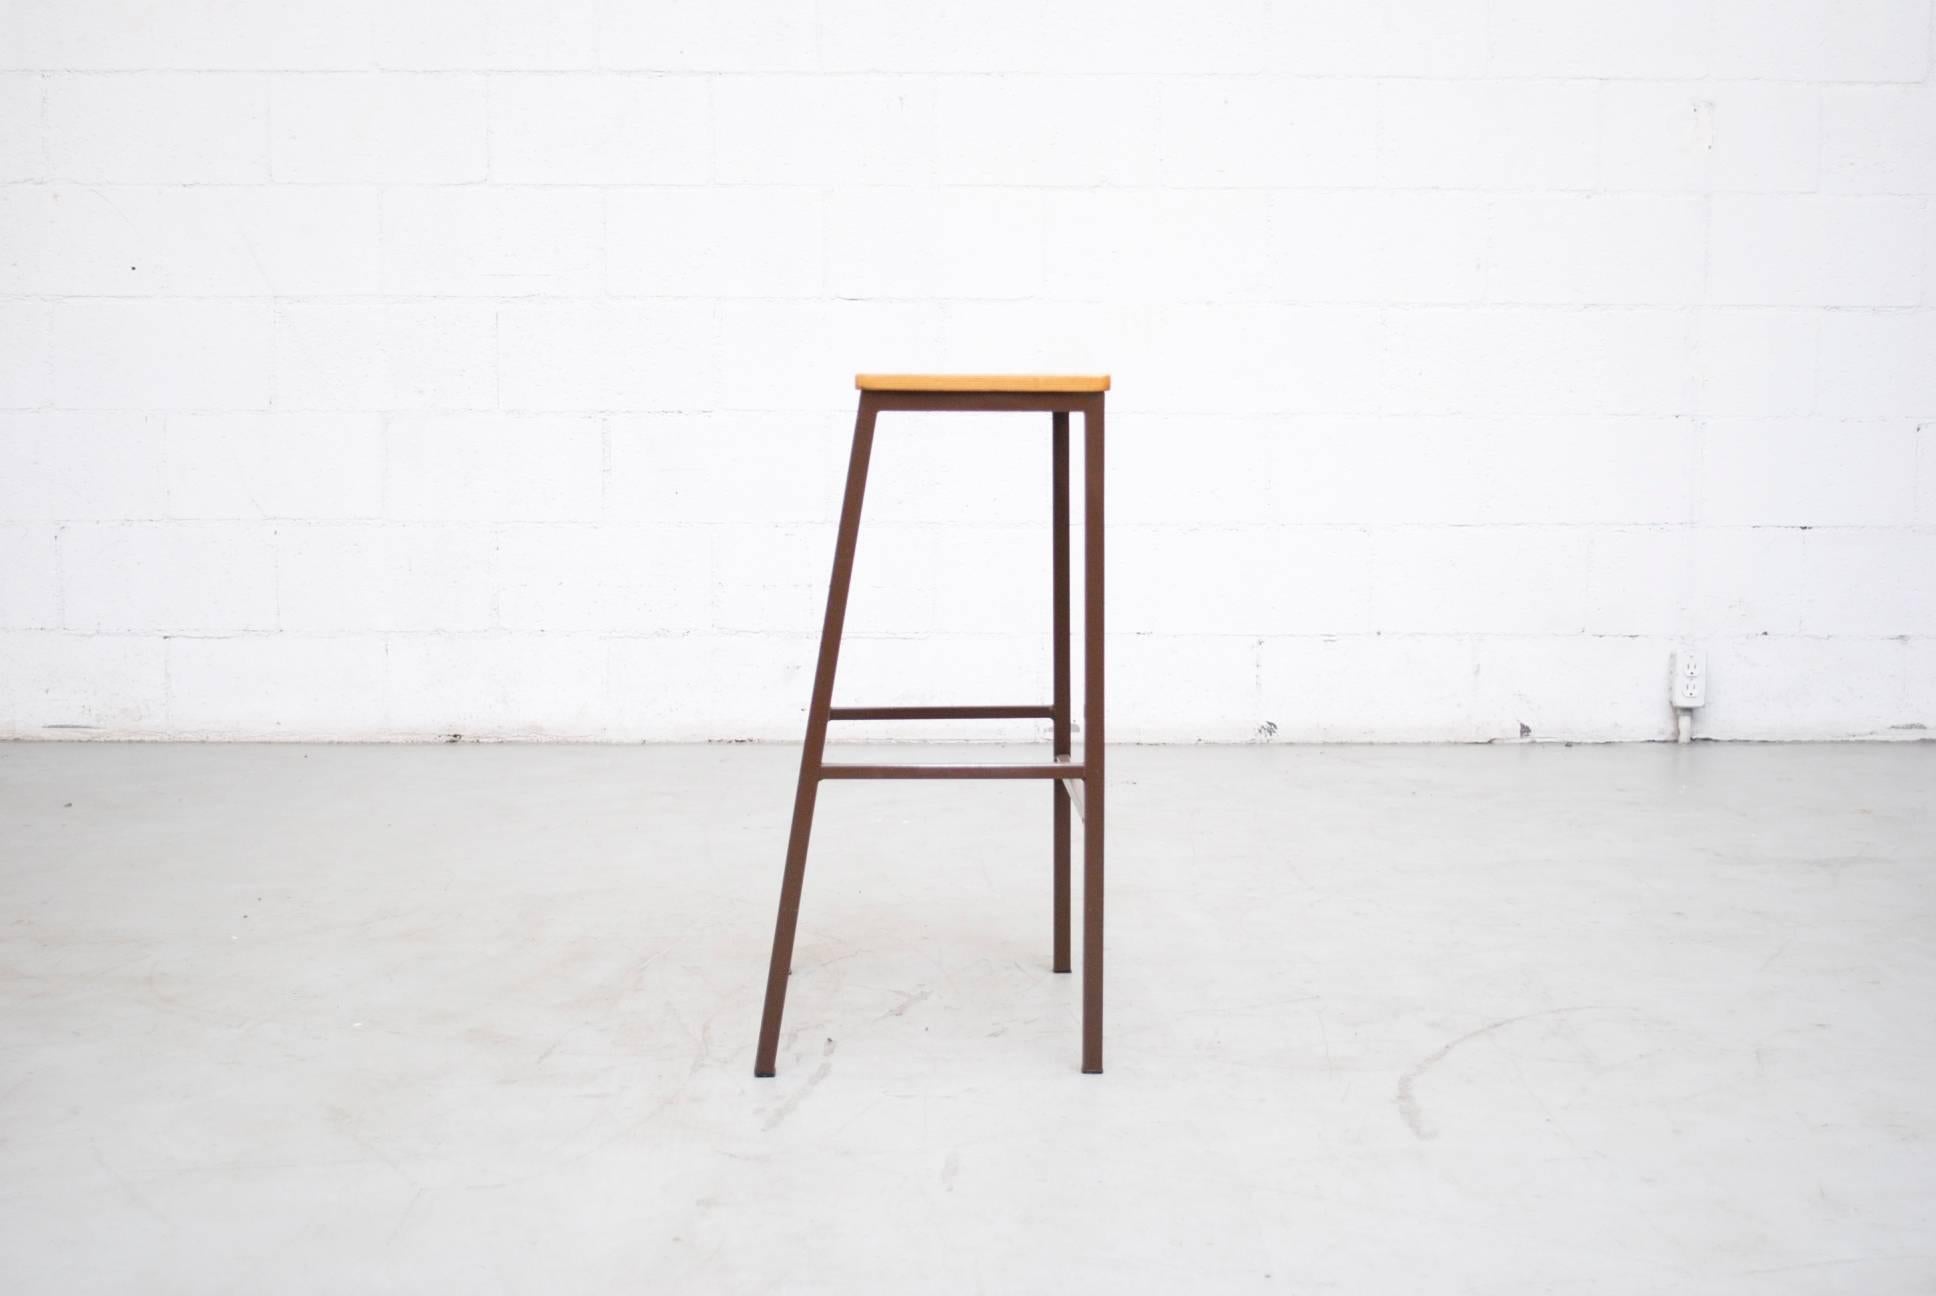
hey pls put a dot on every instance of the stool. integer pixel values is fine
(1076, 784)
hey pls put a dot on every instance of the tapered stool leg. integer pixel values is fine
(814, 749)
(1092, 737)
(1059, 563)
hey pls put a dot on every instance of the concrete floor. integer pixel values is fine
(479, 1019)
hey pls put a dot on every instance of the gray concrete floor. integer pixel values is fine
(480, 1019)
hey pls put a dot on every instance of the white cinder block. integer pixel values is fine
(1475, 470)
(904, 579)
(1766, 136)
(1220, 132)
(1815, 251)
(1819, 688)
(276, 686)
(1246, 359)
(1251, 581)
(1877, 363)
(959, 469)
(608, 355)
(1929, 257)
(1826, 40)
(719, 241)
(1478, 580)
(1747, 581)
(1917, 715)
(1380, 688)
(26, 341)
(1300, 245)
(29, 577)
(1868, 581)
(1385, 247)
(83, 685)
(1638, 582)
(1658, 136)
(115, 35)
(696, 688)
(1487, 135)
(489, 35)
(1645, 38)
(1531, 360)
(167, 128)
(924, 243)
(296, 241)
(1758, 362)
(385, 356)
(1121, 245)
(1596, 248)
(62, 467)
(1590, 688)
(23, 139)
(1400, 38)
(871, 36)
(394, 128)
(202, 240)
(1219, 37)
(711, 36)
(603, 130)
(770, 579)
(525, 686)
(262, 465)
(607, 580)
(1806, 472)
(169, 576)
(738, 467)
(977, 579)
(1366, 469)
(1189, 688)
(1231, 477)
(441, 241)
(883, 243)
(845, 130)
(493, 468)
(981, 130)
(1879, 139)
(336, 578)
(792, 355)
(161, 354)
(1926, 474)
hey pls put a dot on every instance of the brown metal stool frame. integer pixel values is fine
(1075, 783)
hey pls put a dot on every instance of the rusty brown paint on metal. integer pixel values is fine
(1059, 671)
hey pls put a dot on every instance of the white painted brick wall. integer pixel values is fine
(483, 366)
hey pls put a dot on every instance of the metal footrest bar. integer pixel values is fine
(942, 713)
(1059, 770)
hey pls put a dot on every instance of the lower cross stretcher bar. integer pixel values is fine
(942, 713)
(1058, 770)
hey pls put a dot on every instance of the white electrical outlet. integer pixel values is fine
(1688, 687)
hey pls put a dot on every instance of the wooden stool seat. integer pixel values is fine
(1076, 780)
(982, 382)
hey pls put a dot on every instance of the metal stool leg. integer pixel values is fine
(814, 751)
(1059, 564)
(1092, 737)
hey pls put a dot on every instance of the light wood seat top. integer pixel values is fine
(982, 382)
